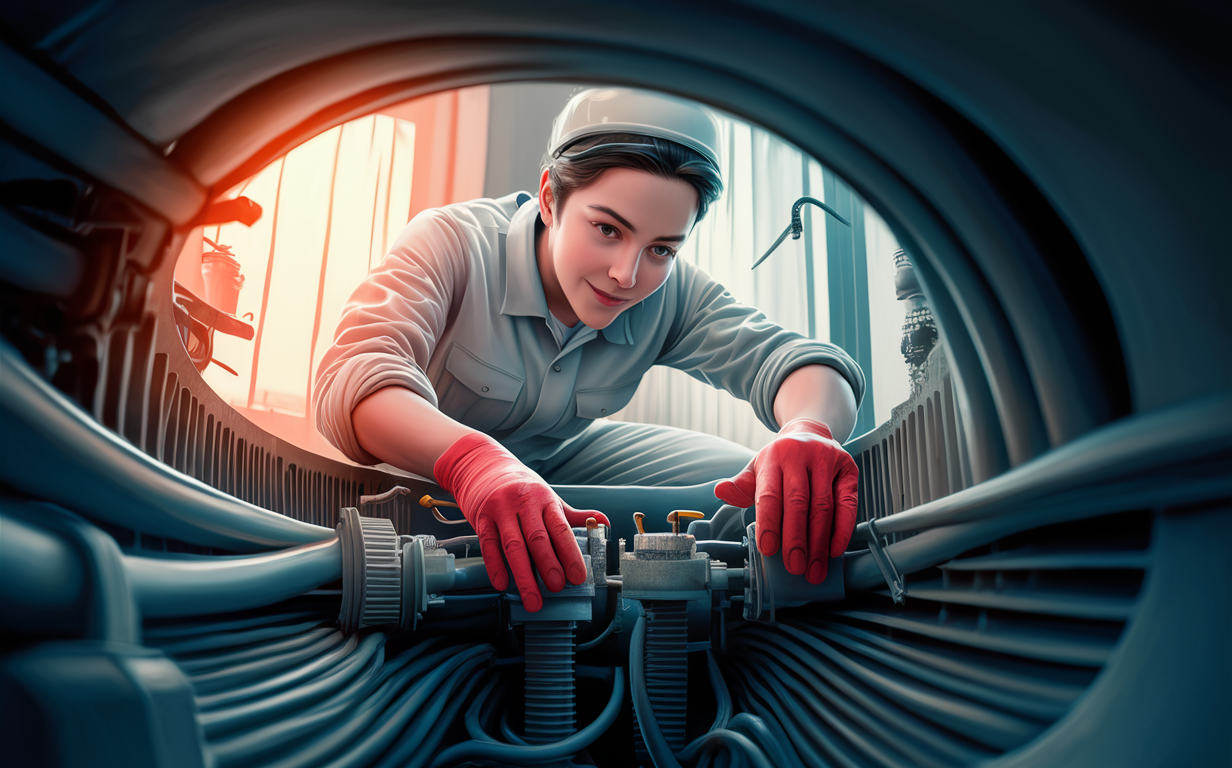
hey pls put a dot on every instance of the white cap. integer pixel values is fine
(629, 110)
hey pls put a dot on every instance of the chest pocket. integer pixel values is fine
(480, 396)
(598, 403)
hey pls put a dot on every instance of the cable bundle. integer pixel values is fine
(289, 690)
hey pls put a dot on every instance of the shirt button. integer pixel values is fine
(556, 368)
(602, 410)
(485, 389)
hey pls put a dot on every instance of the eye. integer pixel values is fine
(662, 251)
(607, 230)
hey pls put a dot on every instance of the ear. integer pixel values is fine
(546, 200)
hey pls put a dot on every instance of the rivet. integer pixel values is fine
(485, 389)
(556, 368)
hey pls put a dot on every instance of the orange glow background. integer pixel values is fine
(331, 208)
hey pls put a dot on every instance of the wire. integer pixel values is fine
(722, 699)
(538, 753)
(611, 627)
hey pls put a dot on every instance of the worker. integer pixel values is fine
(496, 335)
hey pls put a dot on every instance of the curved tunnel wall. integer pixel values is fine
(1005, 166)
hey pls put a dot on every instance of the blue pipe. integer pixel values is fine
(605, 634)
(193, 631)
(109, 610)
(220, 639)
(769, 689)
(760, 734)
(226, 584)
(366, 659)
(742, 749)
(722, 699)
(538, 753)
(652, 735)
(48, 438)
(231, 658)
(470, 573)
(230, 678)
(42, 581)
(777, 743)
(437, 734)
(311, 736)
(476, 712)
(406, 709)
(261, 685)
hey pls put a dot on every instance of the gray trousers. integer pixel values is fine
(611, 453)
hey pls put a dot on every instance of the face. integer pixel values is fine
(612, 243)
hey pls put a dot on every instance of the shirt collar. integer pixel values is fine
(523, 287)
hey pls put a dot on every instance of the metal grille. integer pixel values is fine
(991, 648)
(918, 455)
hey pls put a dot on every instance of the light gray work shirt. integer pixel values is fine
(456, 312)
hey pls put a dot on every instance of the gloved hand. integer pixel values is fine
(513, 509)
(804, 485)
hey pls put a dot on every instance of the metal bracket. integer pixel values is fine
(898, 587)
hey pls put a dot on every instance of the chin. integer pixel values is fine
(599, 321)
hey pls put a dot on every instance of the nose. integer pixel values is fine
(624, 268)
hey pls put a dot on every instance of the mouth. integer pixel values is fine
(607, 299)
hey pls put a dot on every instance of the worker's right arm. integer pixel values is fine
(510, 507)
(374, 401)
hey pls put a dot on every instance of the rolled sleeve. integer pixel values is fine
(735, 347)
(390, 327)
(785, 360)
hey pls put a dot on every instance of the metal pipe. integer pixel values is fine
(41, 581)
(538, 753)
(223, 584)
(48, 439)
(1122, 461)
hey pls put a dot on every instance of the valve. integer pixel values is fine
(665, 571)
(388, 580)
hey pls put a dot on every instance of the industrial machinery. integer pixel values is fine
(1039, 574)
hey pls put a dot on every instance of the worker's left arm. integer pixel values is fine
(803, 483)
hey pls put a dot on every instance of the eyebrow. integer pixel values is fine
(630, 227)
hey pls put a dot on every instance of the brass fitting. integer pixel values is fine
(429, 502)
(432, 504)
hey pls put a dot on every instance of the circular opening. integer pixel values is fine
(333, 207)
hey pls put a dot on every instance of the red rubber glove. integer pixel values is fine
(513, 509)
(804, 485)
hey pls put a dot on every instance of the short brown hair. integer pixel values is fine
(582, 162)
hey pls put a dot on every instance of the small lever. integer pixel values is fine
(637, 519)
(431, 503)
(676, 516)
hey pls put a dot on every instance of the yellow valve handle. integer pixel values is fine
(676, 516)
(431, 503)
